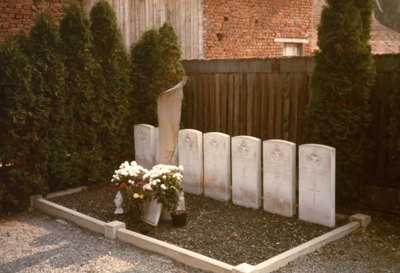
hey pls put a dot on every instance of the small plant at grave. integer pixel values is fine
(165, 185)
(130, 180)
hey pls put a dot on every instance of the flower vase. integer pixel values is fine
(136, 214)
(165, 214)
(178, 218)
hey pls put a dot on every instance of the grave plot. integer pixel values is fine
(220, 230)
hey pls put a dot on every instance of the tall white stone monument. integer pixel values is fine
(144, 145)
(190, 146)
(169, 104)
(156, 146)
(217, 166)
(279, 179)
(317, 184)
(246, 171)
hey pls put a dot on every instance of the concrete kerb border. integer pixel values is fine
(118, 230)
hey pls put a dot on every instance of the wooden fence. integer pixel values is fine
(267, 98)
(137, 16)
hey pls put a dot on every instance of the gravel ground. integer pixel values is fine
(33, 242)
(376, 250)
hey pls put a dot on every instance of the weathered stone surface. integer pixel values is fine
(144, 145)
(246, 171)
(317, 184)
(190, 143)
(279, 179)
(217, 166)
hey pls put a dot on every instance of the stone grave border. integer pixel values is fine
(117, 230)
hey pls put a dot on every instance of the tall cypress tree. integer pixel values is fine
(48, 87)
(109, 50)
(146, 76)
(339, 115)
(394, 124)
(171, 65)
(155, 67)
(19, 112)
(85, 99)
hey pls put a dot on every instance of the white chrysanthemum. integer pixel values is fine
(147, 187)
(163, 187)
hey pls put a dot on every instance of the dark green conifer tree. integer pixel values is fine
(156, 67)
(116, 135)
(85, 97)
(394, 125)
(171, 65)
(20, 114)
(48, 86)
(146, 76)
(338, 114)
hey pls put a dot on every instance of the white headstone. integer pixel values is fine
(246, 171)
(144, 145)
(190, 146)
(217, 166)
(317, 184)
(279, 179)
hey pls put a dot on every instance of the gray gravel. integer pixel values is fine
(33, 242)
(377, 250)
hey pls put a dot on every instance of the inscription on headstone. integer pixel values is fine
(246, 171)
(317, 184)
(217, 166)
(190, 146)
(279, 179)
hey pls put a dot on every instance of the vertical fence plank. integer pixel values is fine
(294, 100)
(264, 106)
(213, 115)
(236, 106)
(195, 108)
(228, 90)
(206, 103)
(271, 105)
(243, 98)
(250, 78)
(286, 88)
(257, 106)
(223, 82)
(279, 106)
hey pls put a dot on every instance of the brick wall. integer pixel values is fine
(19, 15)
(247, 28)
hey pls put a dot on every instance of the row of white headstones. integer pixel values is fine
(247, 170)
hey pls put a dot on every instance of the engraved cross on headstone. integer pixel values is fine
(244, 151)
(314, 190)
(214, 148)
(277, 156)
